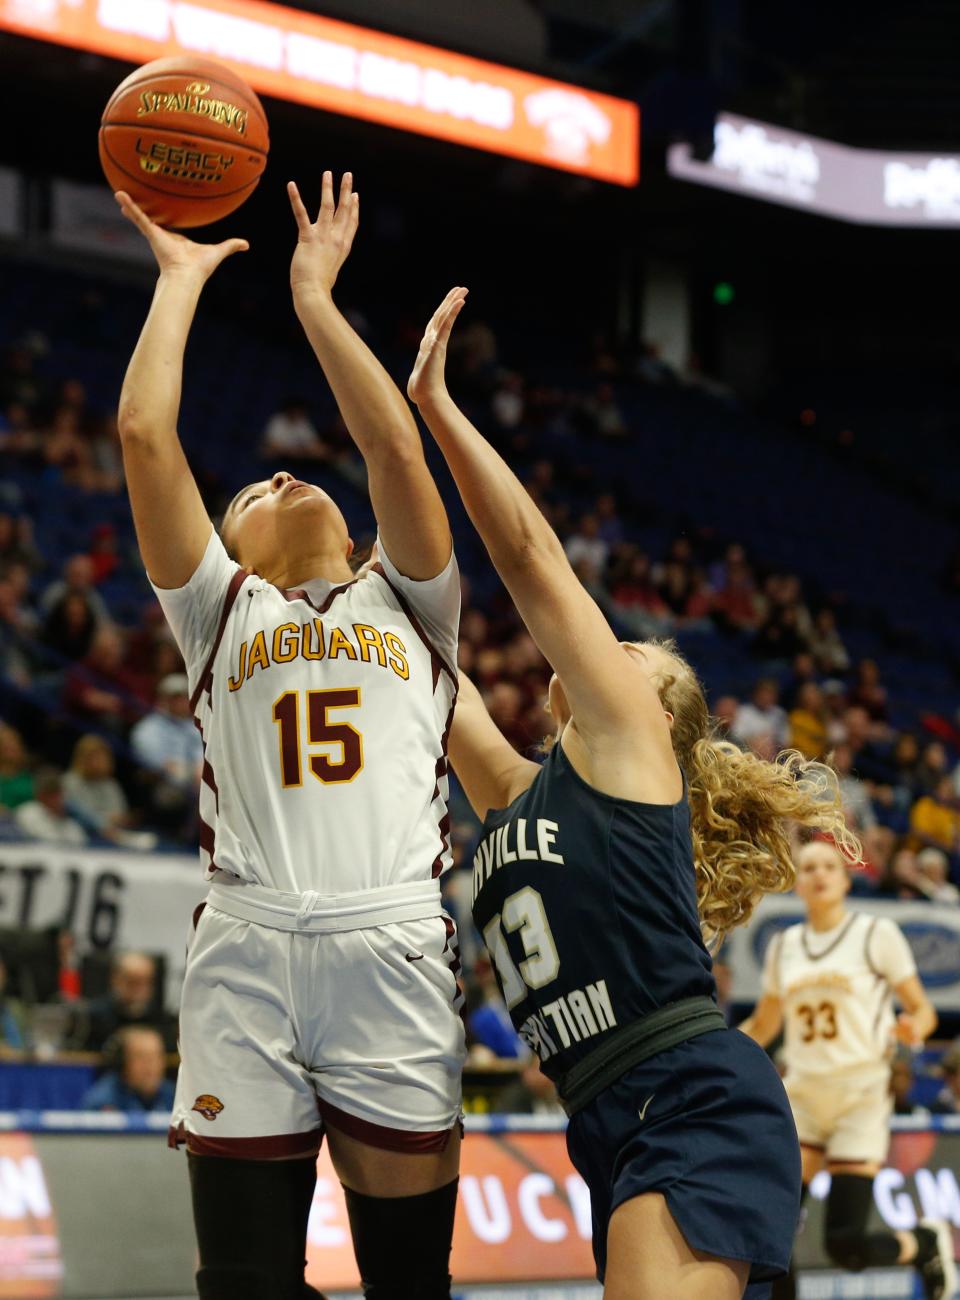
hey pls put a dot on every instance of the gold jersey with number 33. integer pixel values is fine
(835, 987)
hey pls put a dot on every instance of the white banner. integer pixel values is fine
(86, 217)
(933, 932)
(870, 186)
(107, 899)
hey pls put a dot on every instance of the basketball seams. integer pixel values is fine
(243, 90)
(172, 130)
(192, 198)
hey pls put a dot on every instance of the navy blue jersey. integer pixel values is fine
(588, 907)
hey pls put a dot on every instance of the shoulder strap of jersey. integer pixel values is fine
(233, 591)
(440, 664)
(868, 935)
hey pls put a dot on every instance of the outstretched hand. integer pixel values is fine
(323, 245)
(427, 379)
(175, 252)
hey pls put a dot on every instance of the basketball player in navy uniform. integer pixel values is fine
(595, 876)
(320, 994)
(829, 983)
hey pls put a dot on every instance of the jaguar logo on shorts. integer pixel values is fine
(208, 1105)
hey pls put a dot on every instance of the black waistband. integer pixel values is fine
(626, 1047)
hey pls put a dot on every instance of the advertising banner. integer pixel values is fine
(86, 217)
(30, 1263)
(870, 186)
(109, 899)
(359, 72)
(932, 932)
(523, 1215)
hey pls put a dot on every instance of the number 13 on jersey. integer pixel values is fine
(337, 768)
(522, 911)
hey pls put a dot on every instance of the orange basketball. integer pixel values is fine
(186, 138)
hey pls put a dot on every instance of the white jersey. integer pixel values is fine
(324, 714)
(835, 988)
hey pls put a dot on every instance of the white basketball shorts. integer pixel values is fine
(321, 1013)
(848, 1120)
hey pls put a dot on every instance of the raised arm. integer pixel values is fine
(615, 707)
(918, 1019)
(410, 515)
(490, 770)
(172, 525)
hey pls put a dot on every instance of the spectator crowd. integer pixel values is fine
(98, 746)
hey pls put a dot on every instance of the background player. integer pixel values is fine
(593, 877)
(319, 981)
(829, 984)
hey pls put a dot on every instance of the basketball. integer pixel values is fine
(186, 138)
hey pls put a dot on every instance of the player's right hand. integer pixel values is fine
(175, 253)
(323, 245)
(428, 380)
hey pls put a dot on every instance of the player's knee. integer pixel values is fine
(402, 1244)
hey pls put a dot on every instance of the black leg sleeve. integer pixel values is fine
(251, 1221)
(402, 1244)
(846, 1239)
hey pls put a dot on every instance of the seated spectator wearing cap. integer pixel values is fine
(166, 740)
(132, 1000)
(169, 745)
(947, 1101)
(137, 1083)
(45, 816)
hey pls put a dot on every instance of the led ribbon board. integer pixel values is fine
(359, 72)
(869, 186)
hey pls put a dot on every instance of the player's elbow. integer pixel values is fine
(528, 549)
(131, 424)
(398, 450)
(134, 427)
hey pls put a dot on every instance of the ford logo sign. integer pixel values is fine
(936, 950)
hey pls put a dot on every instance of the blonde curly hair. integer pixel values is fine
(742, 808)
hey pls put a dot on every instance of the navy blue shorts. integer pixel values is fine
(716, 1138)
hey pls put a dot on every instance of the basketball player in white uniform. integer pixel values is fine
(829, 984)
(320, 992)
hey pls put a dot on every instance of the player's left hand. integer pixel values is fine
(905, 1030)
(427, 380)
(323, 245)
